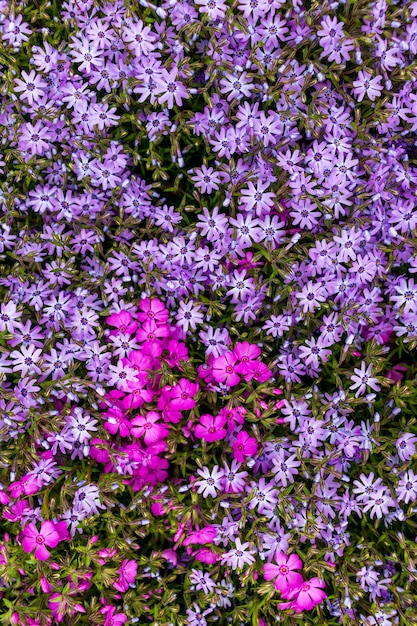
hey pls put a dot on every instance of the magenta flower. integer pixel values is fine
(151, 330)
(211, 428)
(37, 540)
(116, 422)
(224, 369)
(308, 594)
(246, 353)
(127, 575)
(169, 412)
(152, 309)
(284, 574)
(182, 395)
(207, 534)
(244, 446)
(123, 322)
(147, 427)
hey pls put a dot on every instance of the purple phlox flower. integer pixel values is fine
(87, 498)
(365, 84)
(239, 556)
(362, 378)
(264, 496)
(285, 467)
(406, 446)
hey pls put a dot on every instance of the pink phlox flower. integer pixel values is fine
(205, 535)
(182, 395)
(244, 446)
(284, 573)
(211, 428)
(27, 485)
(153, 348)
(140, 362)
(205, 555)
(258, 371)
(113, 618)
(151, 330)
(235, 416)
(116, 422)
(224, 369)
(307, 595)
(16, 511)
(123, 322)
(246, 353)
(99, 450)
(152, 309)
(138, 394)
(37, 540)
(175, 351)
(127, 575)
(169, 412)
(147, 427)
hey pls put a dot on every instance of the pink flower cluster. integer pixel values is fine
(302, 594)
(138, 380)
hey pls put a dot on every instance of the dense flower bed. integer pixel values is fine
(208, 313)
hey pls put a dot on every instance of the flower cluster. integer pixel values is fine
(208, 312)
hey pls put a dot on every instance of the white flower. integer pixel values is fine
(210, 481)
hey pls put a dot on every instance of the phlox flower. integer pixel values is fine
(257, 198)
(205, 555)
(127, 575)
(205, 535)
(244, 446)
(123, 322)
(151, 330)
(182, 395)
(189, 315)
(152, 309)
(215, 9)
(206, 179)
(37, 540)
(113, 618)
(306, 596)
(239, 555)
(31, 87)
(169, 89)
(15, 31)
(147, 427)
(34, 138)
(379, 503)
(116, 422)
(140, 38)
(202, 581)
(365, 84)
(87, 498)
(210, 481)
(362, 378)
(285, 467)
(406, 446)
(196, 617)
(211, 428)
(264, 498)
(233, 480)
(284, 573)
(258, 371)
(169, 412)
(224, 369)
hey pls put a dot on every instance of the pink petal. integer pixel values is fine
(271, 571)
(41, 553)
